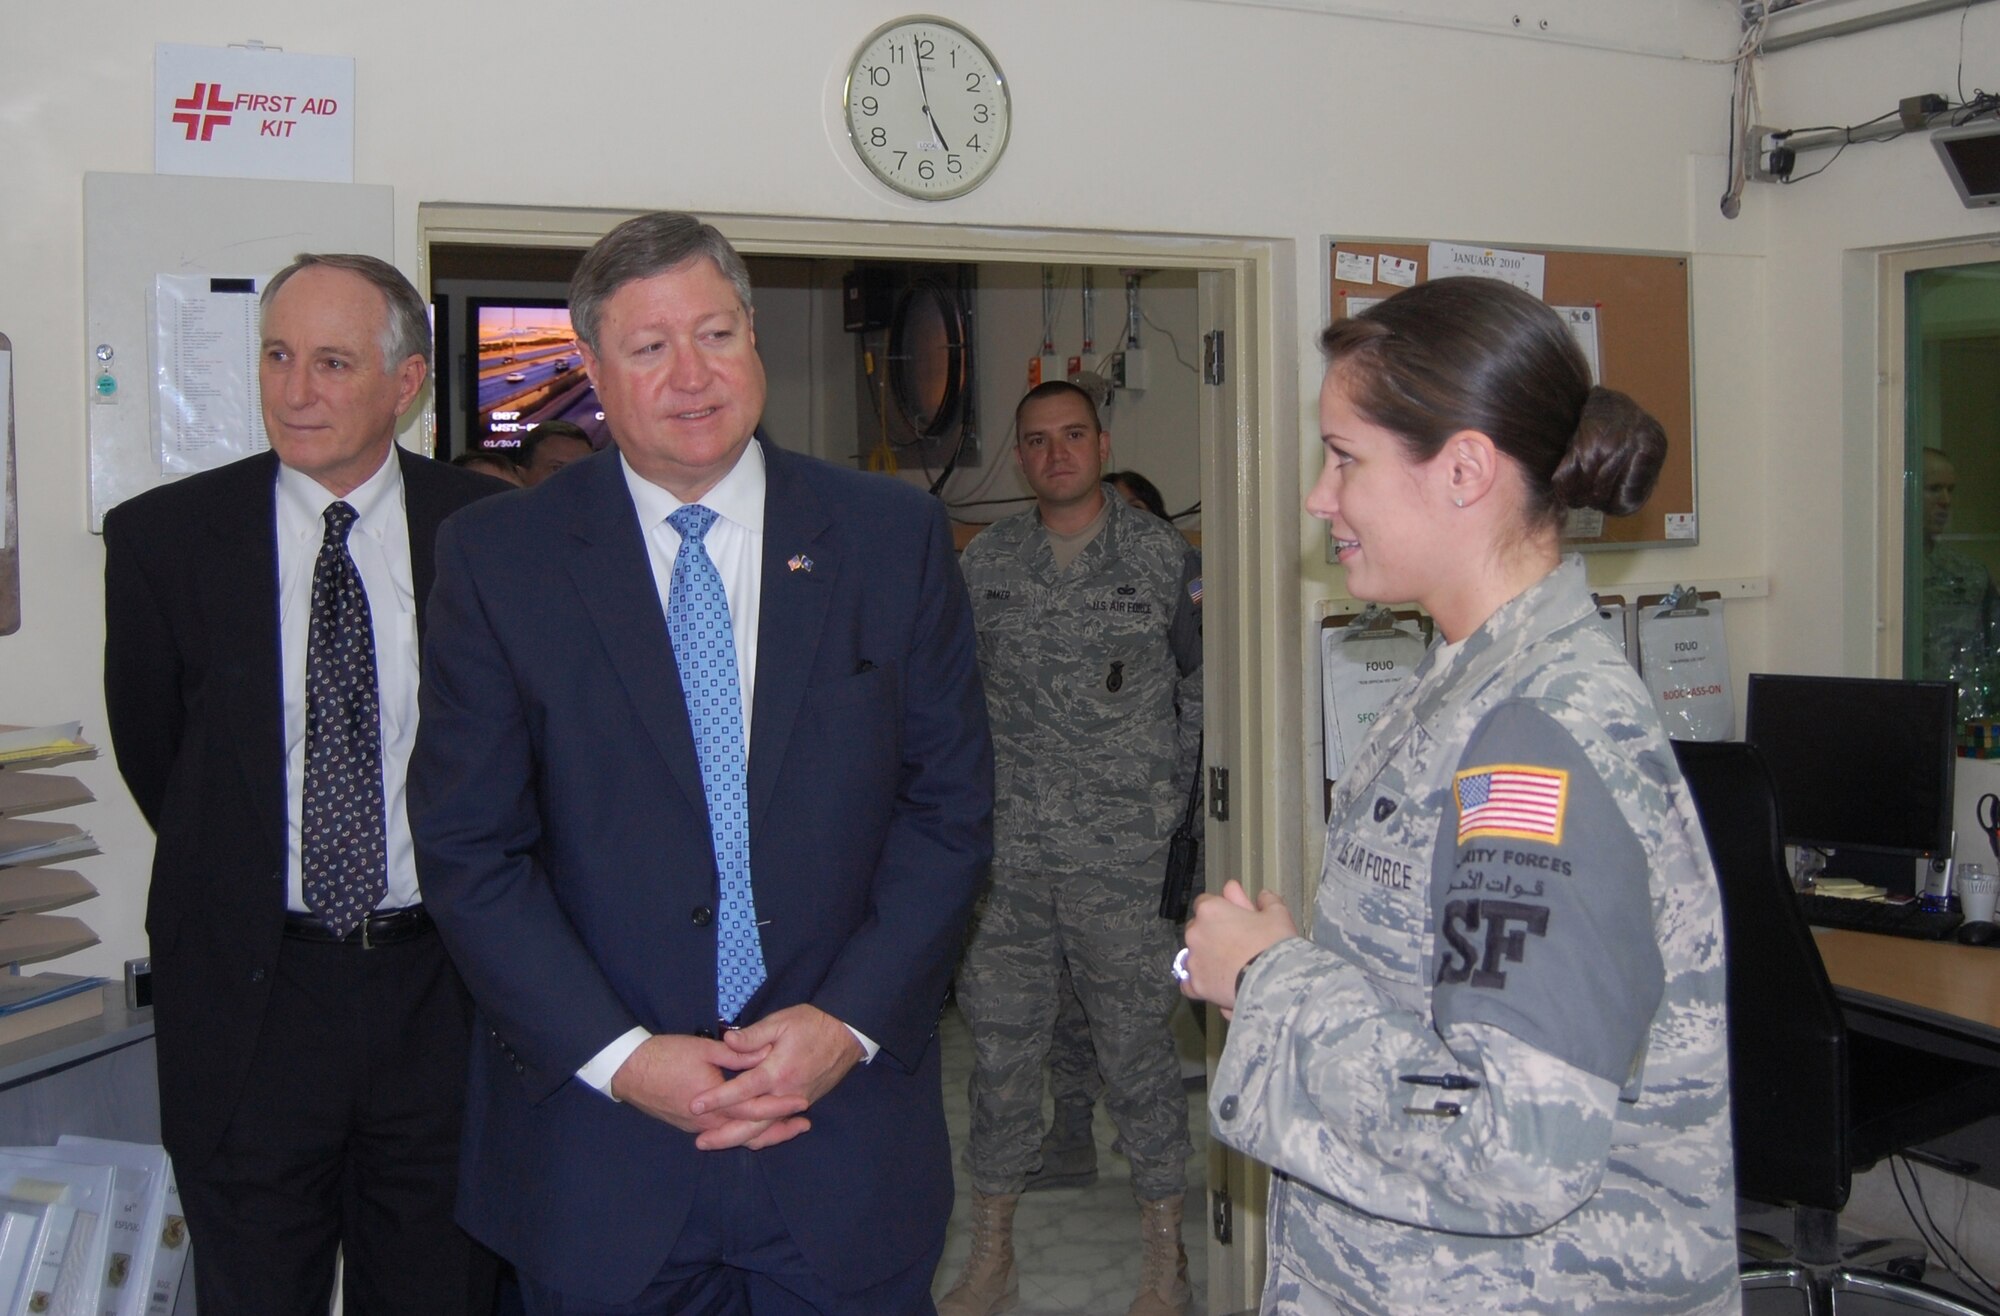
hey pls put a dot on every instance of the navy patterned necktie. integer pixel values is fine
(705, 652)
(343, 846)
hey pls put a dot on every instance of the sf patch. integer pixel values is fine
(1483, 936)
(1511, 800)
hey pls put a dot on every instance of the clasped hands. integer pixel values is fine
(749, 1089)
(1225, 933)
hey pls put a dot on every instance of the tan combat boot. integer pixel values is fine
(989, 1282)
(1163, 1277)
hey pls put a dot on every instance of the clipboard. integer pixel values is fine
(1618, 620)
(1383, 624)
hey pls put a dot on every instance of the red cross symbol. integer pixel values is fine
(194, 117)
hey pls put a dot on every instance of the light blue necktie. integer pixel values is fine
(705, 652)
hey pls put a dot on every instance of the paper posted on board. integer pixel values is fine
(205, 346)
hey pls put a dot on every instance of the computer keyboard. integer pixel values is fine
(1907, 920)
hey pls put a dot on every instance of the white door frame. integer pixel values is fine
(1255, 636)
(1892, 425)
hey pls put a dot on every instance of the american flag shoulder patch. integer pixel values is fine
(1513, 800)
(1194, 590)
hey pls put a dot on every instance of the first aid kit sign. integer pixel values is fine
(253, 113)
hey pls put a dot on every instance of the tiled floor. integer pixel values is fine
(1077, 1248)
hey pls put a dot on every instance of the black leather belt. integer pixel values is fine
(384, 929)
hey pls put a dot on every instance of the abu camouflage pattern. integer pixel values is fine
(1093, 687)
(1104, 923)
(1556, 975)
(1961, 626)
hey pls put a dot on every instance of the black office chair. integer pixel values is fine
(1813, 1102)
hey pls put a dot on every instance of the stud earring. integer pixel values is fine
(1458, 502)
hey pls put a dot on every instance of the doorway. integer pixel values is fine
(1941, 470)
(1951, 537)
(1247, 471)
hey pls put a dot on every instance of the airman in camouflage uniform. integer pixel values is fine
(1961, 623)
(1093, 681)
(1961, 608)
(1516, 908)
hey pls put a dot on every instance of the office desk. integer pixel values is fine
(1941, 985)
(1936, 996)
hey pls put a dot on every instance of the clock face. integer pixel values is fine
(926, 107)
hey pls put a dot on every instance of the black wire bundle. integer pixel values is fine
(1934, 1237)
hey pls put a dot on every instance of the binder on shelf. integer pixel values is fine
(36, 792)
(31, 890)
(39, 1003)
(26, 841)
(25, 938)
(44, 746)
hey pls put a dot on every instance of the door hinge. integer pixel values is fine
(1220, 1214)
(1212, 362)
(1218, 794)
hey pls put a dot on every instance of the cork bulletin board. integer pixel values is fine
(1644, 340)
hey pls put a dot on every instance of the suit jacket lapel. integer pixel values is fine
(240, 594)
(611, 567)
(801, 567)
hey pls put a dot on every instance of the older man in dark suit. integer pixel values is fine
(260, 670)
(703, 799)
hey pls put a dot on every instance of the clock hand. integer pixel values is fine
(923, 87)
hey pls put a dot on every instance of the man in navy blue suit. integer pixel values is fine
(705, 1076)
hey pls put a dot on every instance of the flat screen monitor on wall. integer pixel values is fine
(1863, 768)
(523, 367)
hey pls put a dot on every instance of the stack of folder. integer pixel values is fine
(29, 886)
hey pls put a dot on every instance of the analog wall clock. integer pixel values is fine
(927, 108)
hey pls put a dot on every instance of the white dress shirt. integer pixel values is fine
(735, 544)
(379, 543)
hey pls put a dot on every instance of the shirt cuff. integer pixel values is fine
(869, 1046)
(601, 1067)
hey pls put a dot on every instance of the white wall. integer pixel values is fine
(1155, 431)
(1130, 115)
(1821, 349)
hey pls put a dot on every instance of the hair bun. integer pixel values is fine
(1615, 458)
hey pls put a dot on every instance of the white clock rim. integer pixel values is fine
(999, 81)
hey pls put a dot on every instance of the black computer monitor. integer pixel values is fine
(1863, 769)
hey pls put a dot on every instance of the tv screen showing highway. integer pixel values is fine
(527, 369)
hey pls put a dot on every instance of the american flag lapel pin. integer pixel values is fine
(800, 562)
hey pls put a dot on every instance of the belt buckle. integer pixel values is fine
(366, 944)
